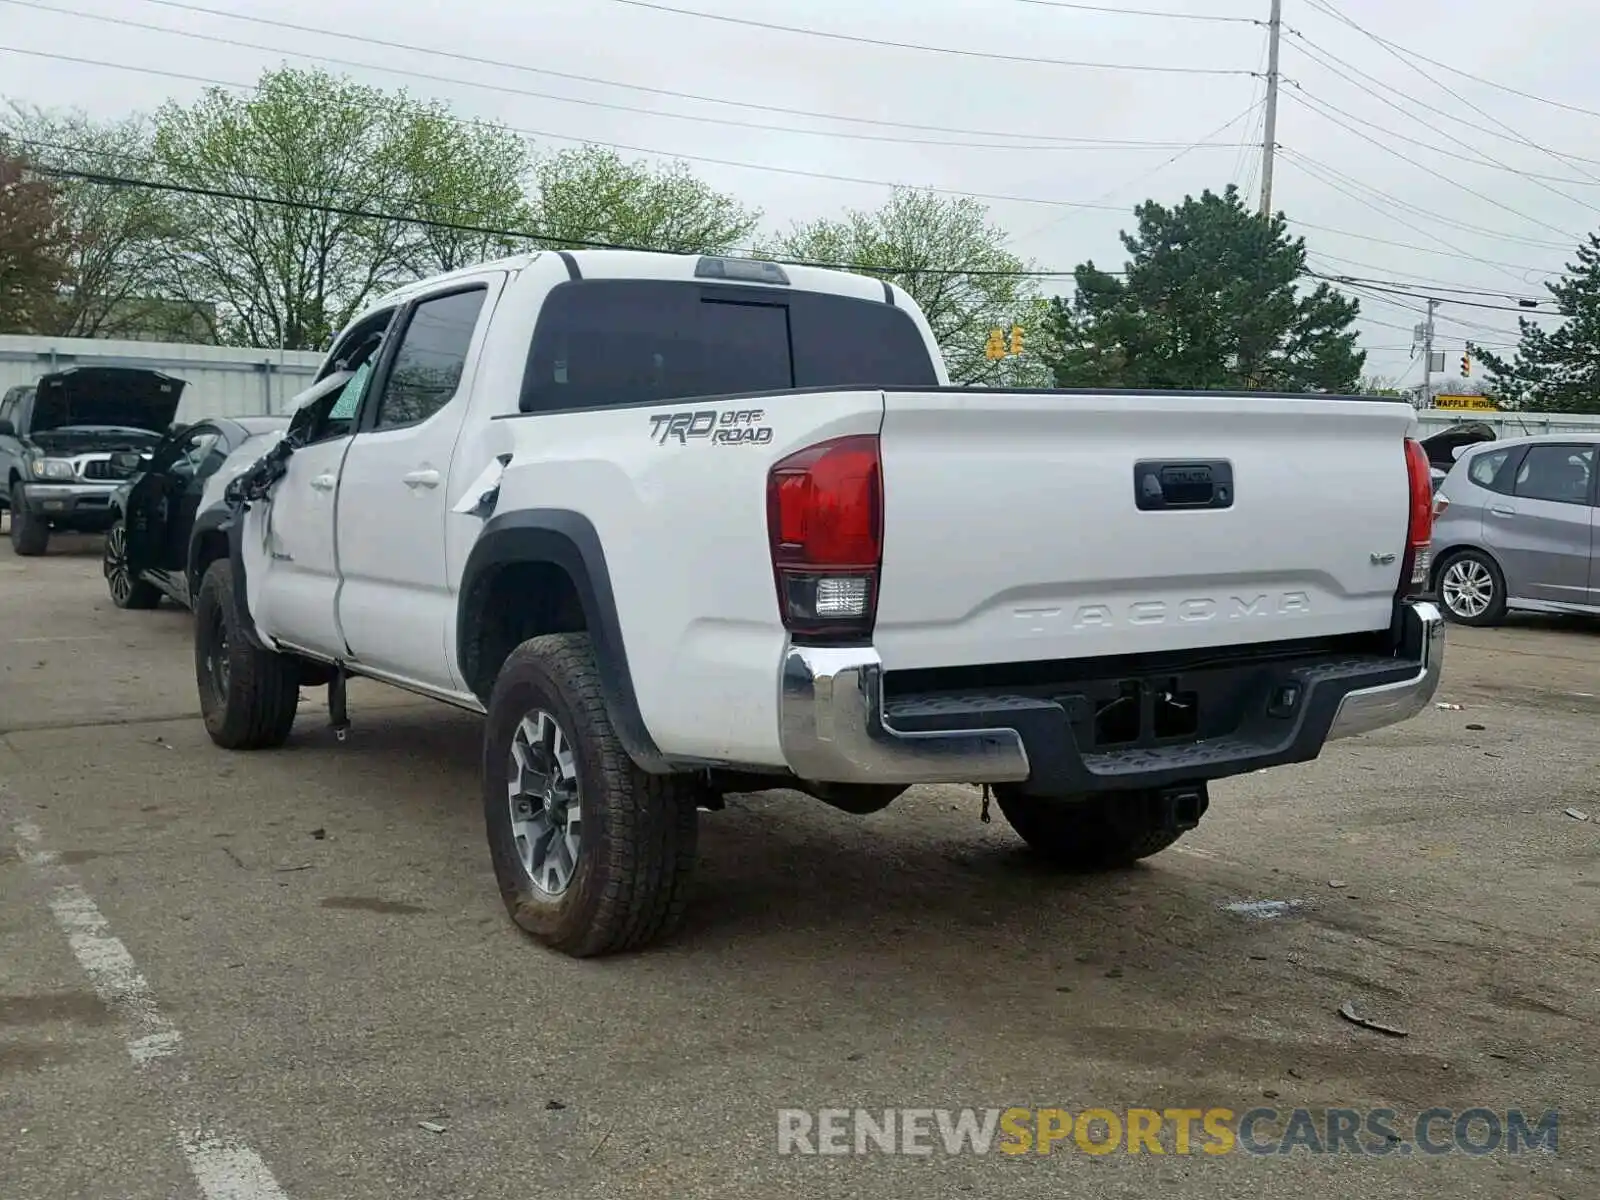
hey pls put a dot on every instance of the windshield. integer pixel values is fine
(601, 343)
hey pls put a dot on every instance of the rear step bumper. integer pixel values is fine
(836, 727)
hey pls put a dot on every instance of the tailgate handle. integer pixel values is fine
(1162, 485)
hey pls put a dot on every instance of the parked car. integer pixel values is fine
(682, 526)
(1515, 528)
(147, 548)
(57, 439)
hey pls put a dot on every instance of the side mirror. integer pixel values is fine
(7, 429)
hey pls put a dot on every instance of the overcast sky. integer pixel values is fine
(1505, 239)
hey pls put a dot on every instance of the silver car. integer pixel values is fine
(1516, 527)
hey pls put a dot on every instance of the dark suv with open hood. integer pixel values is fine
(60, 442)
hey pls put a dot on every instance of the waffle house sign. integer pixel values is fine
(1465, 403)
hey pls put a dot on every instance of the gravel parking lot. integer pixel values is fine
(257, 976)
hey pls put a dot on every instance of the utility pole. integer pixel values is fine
(1269, 133)
(1427, 358)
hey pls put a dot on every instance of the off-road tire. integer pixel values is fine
(636, 855)
(1496, 610)
(1103, 832)
(30, 535)
(141, 593)
(253, 706)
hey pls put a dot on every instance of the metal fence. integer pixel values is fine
(223, 381)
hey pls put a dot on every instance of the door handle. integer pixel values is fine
(324, 483)
(427, 479)
(1500, 510)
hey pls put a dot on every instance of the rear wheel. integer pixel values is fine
(30, 535)
(1472, 589)
(1092, 833)
(593, 855)
(248, 697)
(127, 590)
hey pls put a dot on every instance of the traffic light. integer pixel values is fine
(996, 347)
(1016, 339)
(1466, 365)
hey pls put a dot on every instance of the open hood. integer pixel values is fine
(1443, 446)
(121, 397)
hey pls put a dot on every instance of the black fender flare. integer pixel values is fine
(208, 522)
(568, 540)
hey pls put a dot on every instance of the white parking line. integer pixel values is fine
(225, 1169)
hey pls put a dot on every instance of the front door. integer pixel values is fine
(396, 607)
(292, 555)
(1542, 532)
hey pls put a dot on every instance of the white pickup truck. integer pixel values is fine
(683, 526)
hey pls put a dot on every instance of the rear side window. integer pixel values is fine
(1560, 473)
(605, 343)
(1485, 467)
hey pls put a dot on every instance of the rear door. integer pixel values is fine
(1021, 526)
(395, 603)
(1542, 532)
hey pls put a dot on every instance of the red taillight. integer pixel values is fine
(825, 522)
(1419, 527)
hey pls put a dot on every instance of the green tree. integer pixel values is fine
(345, 164)
(1212, 297)
(1556, 370)
(34, 242)
(592, 194)
(113, 284)
(952, 260)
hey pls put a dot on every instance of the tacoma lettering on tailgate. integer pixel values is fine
(1161, 612)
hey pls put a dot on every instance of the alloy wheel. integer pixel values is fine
(1467, 587)
(545, 802)
(116, 564)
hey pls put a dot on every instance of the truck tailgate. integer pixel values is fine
(1013, 530)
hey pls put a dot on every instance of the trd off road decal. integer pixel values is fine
(733, 427)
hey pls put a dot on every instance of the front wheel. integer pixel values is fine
(1472, 589)
(248, 697)
(592, 855)
(30, 535)
(127, 590)
(1092, 833)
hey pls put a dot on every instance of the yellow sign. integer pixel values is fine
(1467, 403)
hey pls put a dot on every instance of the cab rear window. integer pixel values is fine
(602, 343)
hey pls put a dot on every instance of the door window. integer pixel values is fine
(1563, 474)
(432, 356)
(333, 415)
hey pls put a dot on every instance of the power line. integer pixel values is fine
(564, 137)
(1344, 279)
(1047, 144)
(1574, 238)
(1223, 128)
(992, 56)
(1490, 83)
(1307, 44)
(1303, 95)
(1459, 254)
(1422, 279)
(1327, 8)
(477, 60)
(1306, 161)
(1144, 12)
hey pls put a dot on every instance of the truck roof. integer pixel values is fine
(645, 264)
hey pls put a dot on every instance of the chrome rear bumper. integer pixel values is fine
(833, 727)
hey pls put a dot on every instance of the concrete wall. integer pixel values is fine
(223, 381)
(1505, 425)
